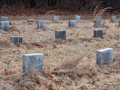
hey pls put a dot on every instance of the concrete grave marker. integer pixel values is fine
(41, 24)
(55, 18)
(77, 18)
(4, 25)
(3, 18)
(98, 33)
(104, 56)
(30, 20)
(113, 18)
(16, 39)
(72, 23)
(98, 21)
(119, 22)
(32, 61)
(60, 34)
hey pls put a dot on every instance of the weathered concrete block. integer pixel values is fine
(77, 18)
(72, 23)
(32, 61)
(98, 32)
(3, 18)
(41, 24)
(104, 56)
(16, 39)
(4, 25)
(55, 18)
(119, 22)
(98, 21)
(60, 34)
(30, 20)
(113, 18)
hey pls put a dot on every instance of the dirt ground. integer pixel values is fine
(69, 64)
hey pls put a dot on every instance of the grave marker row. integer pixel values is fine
(35, 61)
(98, 20)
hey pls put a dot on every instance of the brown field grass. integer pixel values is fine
(69, 64)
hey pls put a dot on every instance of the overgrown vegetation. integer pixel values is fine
(69, 64)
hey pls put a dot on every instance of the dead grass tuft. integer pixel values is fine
(5, 86)
(69, 65)
(53, 11)
(5, 44)
(13, 29)
(3, 32)
(99, 10)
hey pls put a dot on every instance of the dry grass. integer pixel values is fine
(100, 10)
(69, 64)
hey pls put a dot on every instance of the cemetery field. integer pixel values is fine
(68, 64)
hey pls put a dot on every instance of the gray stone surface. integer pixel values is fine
(77, 18)
(98, 32)
(4, 25)
(32, 61)
(16, 39)
(41, 24)
(30, 20)
(72, 23)
(119, 22)
(98, 21)
(113, 18)
(3, 18)
(55, 18)
(60, 34)
(104, 56)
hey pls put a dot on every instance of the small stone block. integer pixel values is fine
(60, 34)
(41, 24)
(104, 56)
(72, 23)
(77, 18)
(30, 20)
(32, 61)
(4, 25)
(3, 18)
(16, 39)
(98, 32)
(113, 18)
(119, 22)
(55, 18)
(98, 21)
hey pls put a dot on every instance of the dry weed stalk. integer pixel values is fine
(102, 11)
(49, 13)
(69, 65)
(95, 11)
(99, 10)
